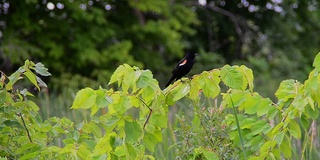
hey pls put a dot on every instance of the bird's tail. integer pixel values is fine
(169, 82)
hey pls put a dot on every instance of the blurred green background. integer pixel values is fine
(83, 41)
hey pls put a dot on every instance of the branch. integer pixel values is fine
(24, 124)
(148, 117)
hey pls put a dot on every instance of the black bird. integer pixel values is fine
(183, 67)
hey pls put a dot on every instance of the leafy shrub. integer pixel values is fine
(243, 125)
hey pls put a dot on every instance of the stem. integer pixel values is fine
(238, 128)
(149, 115)
(24, 124)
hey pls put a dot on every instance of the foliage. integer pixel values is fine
(258, 129)
(278, 39)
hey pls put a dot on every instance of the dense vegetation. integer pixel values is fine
(110, 59)
(257, 129)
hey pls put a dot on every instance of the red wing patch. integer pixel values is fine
(183, 63)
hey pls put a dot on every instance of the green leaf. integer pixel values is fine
(316, 62)
(294, 129)
(231, 77)
(33, 105)
(180, 91)
(24, 148)
(195, 87)
(248, 74)
(260, 126)
(285, 148)
(255, 104)
(159, 120)
(92, 128)
(210, 86)
(3, 97)
(210, 155)
(32, 77)
(103, 145)
(133, 132)
(29, 155)
(83, 151)
(40, 69)
(288, 89)
(84, 99)
(267, 146)
(13, 123)
(151, 139)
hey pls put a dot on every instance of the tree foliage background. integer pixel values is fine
(82, 42)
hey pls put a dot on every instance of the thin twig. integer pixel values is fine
(24, 124)
(149, 115)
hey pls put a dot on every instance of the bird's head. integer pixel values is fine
(192, 55)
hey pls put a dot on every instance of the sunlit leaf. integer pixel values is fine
(32, 77)
(84, 99)
(231, 77)
(316, 62)
(294, 129)
(92, 128)
(103, 145)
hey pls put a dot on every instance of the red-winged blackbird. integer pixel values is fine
(183, 67)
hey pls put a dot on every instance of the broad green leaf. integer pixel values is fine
(288, 89)
(294, 129)
(247, 123)
(33, 105)
(13, 123)
(92, 128)
(195, 87)
(84, 99)
(40, 69)
(267, 146)
(103, 145)
(118, 74)
(29, 155)
(248, 74)
(231, 77)
(236, 98)
(260, 127)
(159, 120)
(121, 105)
(285, 148)
(150, 140)
(210, 86)
(3, 97)
(300, 103)
(69, 148)
(311, 113)
(179, 91)
(83, 151)
(131, 152)
(255, 104)
(32, 77)
(24, 148)
(210, 155)
(316, 62)
(144, 79)
(279, 137)
(14, 78)
(133, 132)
